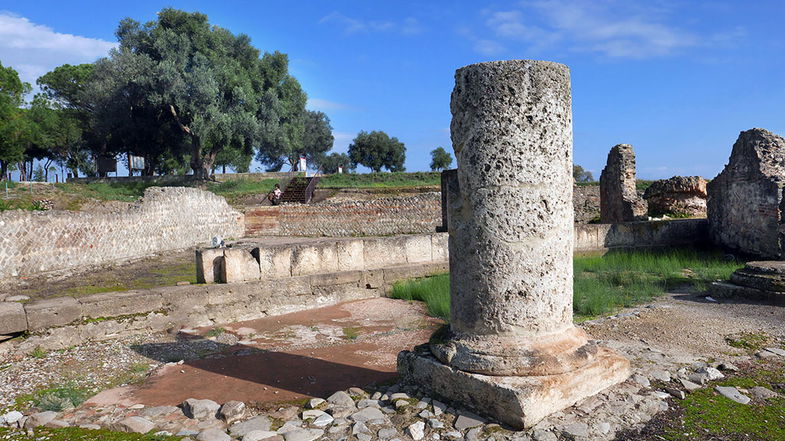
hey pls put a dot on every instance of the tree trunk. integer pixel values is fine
(201, 164)
(3, 170)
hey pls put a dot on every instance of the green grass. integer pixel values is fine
(114, 191)
(19, 204)
(350, 333)
(434, 291)
(56, 398)
(215, 332)
(380, 180)
(603, 284)
(237, 188)
(79, 434)
(708, 413)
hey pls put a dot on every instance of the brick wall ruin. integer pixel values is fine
(745, 205)
(375, 217)
(619, 200)
(167, 218)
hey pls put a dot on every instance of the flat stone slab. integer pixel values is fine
(520, 402)
(725, 290)
(733, 394)
(12, 318)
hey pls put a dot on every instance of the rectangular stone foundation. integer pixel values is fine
(520, 402)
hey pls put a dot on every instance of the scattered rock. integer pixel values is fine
(577, 430)
(776, 351)
(438, 407)
(661, 375)
(200, 409)
(134, 424)
(323, 420)
(12, 417)
(367, 414)
(676, 393)
(341, 399)
(726, 366)
(399, 396)
(313, 403)
(257, 423)
(733, 394)
(362, 404)
(468, 420)
(763, 393)
(713, 374)
(232, 411)
(416, 430)
(435, 424)
(213, 435)
(303, 434)
(544, 435)
(259, 435)
(39, 419)
(689, 385)
(640, 379)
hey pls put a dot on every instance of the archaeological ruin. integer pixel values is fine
(746, 205)
(619, 200)
(680, 196)
(512, 350)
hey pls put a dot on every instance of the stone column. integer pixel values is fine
(511, 351)
(511, 222)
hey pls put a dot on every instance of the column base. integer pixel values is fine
(519, 401)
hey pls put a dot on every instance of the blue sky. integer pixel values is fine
(676, 79)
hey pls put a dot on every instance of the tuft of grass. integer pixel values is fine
(381, 180)
(350, 333)
(605, 283)
(434, 291)
(215, 332)
(38, 352)
(56, 398)
(79, 434)
(749, 341)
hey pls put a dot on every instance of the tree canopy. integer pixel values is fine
(329, 163)
(377, 150)
(581, 175)
(440, 159)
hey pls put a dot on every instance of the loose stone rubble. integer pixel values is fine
(745, 205)
(679, 195)
(619, 200)
(512, 350)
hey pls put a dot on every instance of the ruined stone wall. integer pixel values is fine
(167, 218)
(745, 205)
(374, 217)
(586, 202)
(619, 200)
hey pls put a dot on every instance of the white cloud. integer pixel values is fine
(488, 47)
(325, 105)
(611, 28)
(34, 49)
(351, 25)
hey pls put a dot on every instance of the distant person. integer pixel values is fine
(275, 196)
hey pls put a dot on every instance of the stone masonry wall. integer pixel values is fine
(375, 217)
(746, 205)
(167, 218)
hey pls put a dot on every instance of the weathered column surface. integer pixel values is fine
(511, 222)
(511, 351)
(619, 200)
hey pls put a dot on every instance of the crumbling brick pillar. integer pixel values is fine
(619, 200)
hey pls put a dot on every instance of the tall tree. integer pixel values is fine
(330, 163)
(440, 159)
(15, 129)
(377, 150)
(213, 85)
(581, 175)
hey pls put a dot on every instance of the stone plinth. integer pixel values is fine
(745, 205)
(510, 241)
(762, 280)
(619, 200)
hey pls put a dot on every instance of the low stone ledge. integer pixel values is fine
(12, 318)
(396, 273)
(342, 278)
(120, 303)
(48, 313)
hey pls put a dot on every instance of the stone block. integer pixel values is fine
(230, 293)
(418, 248)
(314, 259)
(58, 311)
(520, 401)
(209, 264)
(403, 272)
(439, 248)
(381, 252)
(239, 265)
(619, 200)
(275, 262)
(115, 304)
(350, 255)
(373, 279)
(342, 278)
(187, 296)
(12, 318)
